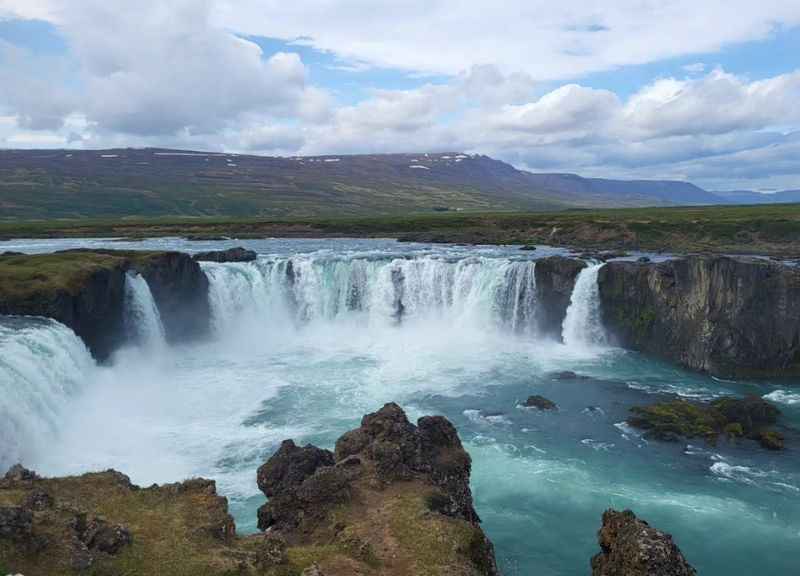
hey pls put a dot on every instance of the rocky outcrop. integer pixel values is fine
(731, 317)
(85, 290)
(540, 403)
(381, 476)
(729, 417)
(555, 280)
(180, 289)
(631, 547)
(237, 254)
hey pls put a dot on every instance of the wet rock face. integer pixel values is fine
(555, 280)
(731, 317)
(630, 547)
(180, 289)
(237, 254)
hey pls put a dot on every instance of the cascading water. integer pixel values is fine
(42, 364)
(142, 319)
(582, 325)
(385, 290)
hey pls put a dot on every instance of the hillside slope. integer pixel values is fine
(39, 184)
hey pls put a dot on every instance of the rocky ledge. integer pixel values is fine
(732, 418)
(555, 281)
(731, 317)
(237, 254)
(85, 290)
(393, 498)
(631, 547)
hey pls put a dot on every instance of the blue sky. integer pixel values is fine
(705, 92)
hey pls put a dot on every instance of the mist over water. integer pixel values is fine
(315, 334)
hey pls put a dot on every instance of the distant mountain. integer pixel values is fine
(160, 182)
(747, 197)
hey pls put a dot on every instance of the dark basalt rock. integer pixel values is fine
(631, 547)
(18, 473)
(731, 417)
(555, 280)
(100, 536)
(568, 375)
(540, 402)
(237, 254)
(15, 522)
(304, 484)
(731, 317)
(528, 247)
(290, 466)
(95, 308)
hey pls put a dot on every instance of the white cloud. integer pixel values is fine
(180, 74)
(547, 40)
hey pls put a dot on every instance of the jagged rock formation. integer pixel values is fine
(730, 417)
(394, 495)
(630, 547)
(731, 317)
(85, 290)
(555, 280)
(237, 254)
(102, 523)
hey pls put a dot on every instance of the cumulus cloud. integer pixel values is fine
(503, 82)
(152, 69)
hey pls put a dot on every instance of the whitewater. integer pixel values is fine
(314, 334)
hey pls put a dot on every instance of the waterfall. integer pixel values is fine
(142, 320)
(42, 363)
(582, 325)
(308, 288)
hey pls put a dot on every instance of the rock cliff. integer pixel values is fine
(631, 547)
(555, 280)
(731, 317)
(85, 290)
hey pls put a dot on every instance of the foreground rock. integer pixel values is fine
(237, 254)
(555, 280)
(630, 547)
(100, 523)
(85, 290)
(731, 317)
(730, 417)
(393, 498)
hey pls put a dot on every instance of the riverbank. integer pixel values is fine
(772, 230)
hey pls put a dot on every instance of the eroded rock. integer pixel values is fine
(631, 547)
(237, 254)
(540, 403)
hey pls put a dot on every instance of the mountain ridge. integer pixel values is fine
(120, 182)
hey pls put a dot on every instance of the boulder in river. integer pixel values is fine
(631, 547)
(731, 417)
(540, 402)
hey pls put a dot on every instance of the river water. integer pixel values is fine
(317, 333)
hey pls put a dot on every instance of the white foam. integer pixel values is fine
(784, 397)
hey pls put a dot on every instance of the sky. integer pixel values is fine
(706, 91)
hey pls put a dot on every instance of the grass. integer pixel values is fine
(767, 229)
(37, 275)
